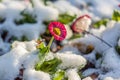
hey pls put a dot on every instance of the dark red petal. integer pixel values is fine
(119, 5)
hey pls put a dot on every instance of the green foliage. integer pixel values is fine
(66, 18)
(13, 38)
(2, 20)
(24, 38)
(80, 74)
(81, 66)
(4, 34)
(98, 56)
(50, 66)
(116, 15)
(59, 75)
(45, 1)
(27, 18)
(46, 22)
(118, 49)
(75, 36)
(31, 1)
(101, 22)
(41, 46)
(43, 65)
(66, 78)
(63, 18)
(43, 51)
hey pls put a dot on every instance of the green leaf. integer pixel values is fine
(45, 2)
(41, 46)
(27, 18)
(101, 22)
(75, 36)
(31, 1)
(24, 38)
(81, 75)
(43, 51)
(116, 15)
(4, 34)
(59, 75)
(118, 49)
(66, 78)
(98, 55)
(46, 22)
(13, 38)
(66, 18)
(50, 66)
(2, 20)
(63, 18)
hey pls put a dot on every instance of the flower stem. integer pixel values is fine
(50, 43)
(98, 38)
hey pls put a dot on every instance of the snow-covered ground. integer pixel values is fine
(15, 54)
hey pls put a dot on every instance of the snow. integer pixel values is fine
(13, 59)
(66, 7)
(69, 32)
(87, 78)
(112, 39)
(72, 74)
(25, 53)
(91, 57)
(70, 49)
(71, 61)
(108, 78)
(31, 31)
(110, 59)
(90, 71)
(108, 64)
(31, 74)
(44, 13)
(98, 31)
(119, 42)
(29, 46)
(10, 12)
(114, 34)
(115, 74)
(4, 47)
(98, 8)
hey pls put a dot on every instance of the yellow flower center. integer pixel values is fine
(57, 31)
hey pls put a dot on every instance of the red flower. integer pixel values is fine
(58, 30)
(81, 24)
(119, 5)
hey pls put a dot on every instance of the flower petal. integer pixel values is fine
(62, 28)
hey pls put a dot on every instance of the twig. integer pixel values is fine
(98, 38)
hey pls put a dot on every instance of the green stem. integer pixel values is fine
(50, 43)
